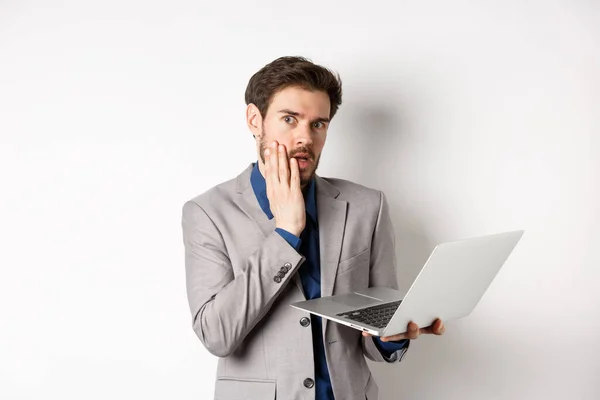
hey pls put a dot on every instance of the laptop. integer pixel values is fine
(449, 286)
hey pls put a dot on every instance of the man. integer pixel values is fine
(279, 233)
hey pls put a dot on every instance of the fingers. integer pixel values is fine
(285, 199)
(271, 164)
(279, 169)
(270, 178)
(295, 174)
(413, 332)
(284, 171)
(401, 336)
(438, 327)
(394, 338)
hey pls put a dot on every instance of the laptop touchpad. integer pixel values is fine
(355, 301)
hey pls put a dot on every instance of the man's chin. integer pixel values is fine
(306, 176)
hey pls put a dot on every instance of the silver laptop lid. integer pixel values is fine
(453, 280)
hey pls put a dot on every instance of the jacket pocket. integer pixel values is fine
(244, 389)
(360, 259)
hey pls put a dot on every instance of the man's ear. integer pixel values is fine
(254, 120)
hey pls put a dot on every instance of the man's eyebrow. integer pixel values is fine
(297, 114)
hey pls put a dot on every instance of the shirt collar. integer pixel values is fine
(259, 185)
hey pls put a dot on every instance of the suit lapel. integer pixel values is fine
(251, 207)
(332, 221)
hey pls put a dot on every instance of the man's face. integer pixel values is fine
(298, 119)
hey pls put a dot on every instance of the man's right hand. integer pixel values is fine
(283, 189)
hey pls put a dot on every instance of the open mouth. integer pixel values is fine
(303, 159)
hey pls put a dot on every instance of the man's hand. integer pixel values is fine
(283, 189)
(437, 328)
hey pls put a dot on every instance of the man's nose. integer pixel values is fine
(303, 135)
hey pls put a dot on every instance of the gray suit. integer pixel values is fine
(241, 311)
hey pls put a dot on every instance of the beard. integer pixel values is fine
(306, 174)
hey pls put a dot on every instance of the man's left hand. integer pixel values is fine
(413, 332)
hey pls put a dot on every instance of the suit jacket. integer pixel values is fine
(240, 310)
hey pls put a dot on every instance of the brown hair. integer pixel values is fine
(292, 71)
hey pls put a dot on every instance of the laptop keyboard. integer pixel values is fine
(377, 316)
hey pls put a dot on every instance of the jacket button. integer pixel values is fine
(287, 265)
(304, 322)
(309, 383)
(277, 279)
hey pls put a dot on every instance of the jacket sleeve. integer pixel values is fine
(383, 273)
(226, 306)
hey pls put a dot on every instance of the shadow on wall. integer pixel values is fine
(378, 135)
(379, 130)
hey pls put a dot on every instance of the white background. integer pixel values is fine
(473, 117)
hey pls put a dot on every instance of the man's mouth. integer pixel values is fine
(303, 159)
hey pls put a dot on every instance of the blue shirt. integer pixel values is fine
(310, 275)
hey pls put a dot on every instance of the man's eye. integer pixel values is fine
(289, 119)
(318, 125)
